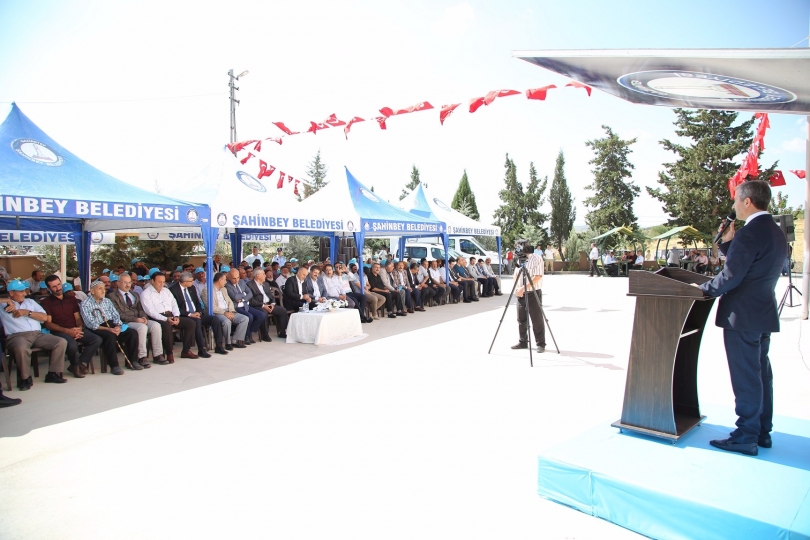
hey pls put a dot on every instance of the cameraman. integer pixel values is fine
(534, 266)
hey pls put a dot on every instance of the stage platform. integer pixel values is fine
(689, 489)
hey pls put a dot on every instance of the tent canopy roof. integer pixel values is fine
(756, 80)
(423, 203)
(623, 230)
(40, 178)
(684, 232)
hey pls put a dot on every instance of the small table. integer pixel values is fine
(325, 327)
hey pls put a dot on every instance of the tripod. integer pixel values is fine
(789, 291)
(524, 274)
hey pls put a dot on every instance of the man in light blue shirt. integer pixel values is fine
(22, 319)
(280, 258)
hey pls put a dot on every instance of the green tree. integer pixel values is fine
(302, 248)
(779, 206)
(121, 252)
(50, 259)
(613, 191)
(317, 176)
(563, 212)
(464, 199)
(695, 187)
(164, 254)
(520, 208)
(412, 185)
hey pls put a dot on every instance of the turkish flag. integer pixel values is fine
(314, 127)
(349, 125)
(277, 140)
(333, 121)
(577, 84)
(447, 110)
(295, 190)
(421, 106)
(764, 124)
(733, 182)
(285, 129)
(247, 158)
(800, 174)
(258, 146)
(476, 103)
(281, 176)
(539, 93)
(777, 179)
(264, 170)
(381, 120)
(237, 146)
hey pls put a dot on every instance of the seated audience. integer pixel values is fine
(638, 264)
(264, 299)
(397, 295)
(377, 286)
(159, 305)
(233, 325)
(240, 295)
(190, 307)
(701, 263)
(101, 317)
(128, 304)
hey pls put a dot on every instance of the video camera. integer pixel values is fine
(523, 248)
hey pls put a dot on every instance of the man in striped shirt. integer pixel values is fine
(534, 267)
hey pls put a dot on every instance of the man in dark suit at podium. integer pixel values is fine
(747, 313)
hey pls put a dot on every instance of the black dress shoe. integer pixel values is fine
(521, 345)
(749, 449)
(6, 401)
(26, 384)
(228, 347)
(135, 366)
(239, 345)
(220, 350)
(475, 299)
(765, 441)
(401, 314)
(202, 353)
(392, 316)
(53, 377)
(541, 349)
(283, 335)
(267, 338)
(160, 360)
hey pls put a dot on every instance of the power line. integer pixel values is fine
(799, 42)
(116, 100)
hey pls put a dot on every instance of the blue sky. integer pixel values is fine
(310, 59)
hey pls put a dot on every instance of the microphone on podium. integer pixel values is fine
(728, 221)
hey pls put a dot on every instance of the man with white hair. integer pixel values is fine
(128, 304)
(264, 299)
(100, 316)
(227, 317)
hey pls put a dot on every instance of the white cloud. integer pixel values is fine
(794, 145)
(456, 20)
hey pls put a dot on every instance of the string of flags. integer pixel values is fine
(254, 147)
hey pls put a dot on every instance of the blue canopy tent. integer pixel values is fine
(44, 187)
(365, 215)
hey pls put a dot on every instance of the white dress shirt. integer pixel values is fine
(594, 254)
(316, 291)
(265, 300)
(250, 258)
(755, 215)
(156, 303)
(219, 295)
(334, 287)
(549, 254)
(436, 275)
(281, 280)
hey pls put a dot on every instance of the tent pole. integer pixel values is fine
(63, 261)
(805, 265)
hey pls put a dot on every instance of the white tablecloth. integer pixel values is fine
(325, 328)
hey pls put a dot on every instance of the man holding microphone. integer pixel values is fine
(747, 313)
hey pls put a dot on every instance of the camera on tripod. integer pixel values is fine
(523, 248)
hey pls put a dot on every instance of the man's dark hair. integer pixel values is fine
(218, 276)
(34, 273)
(156, 274)
(758, 191)
(414, 265)
(50, 279)
(256, 263)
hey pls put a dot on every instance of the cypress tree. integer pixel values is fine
(613, 191)
(563, 212)
(412, 185)
(317, 176)
(464, 199)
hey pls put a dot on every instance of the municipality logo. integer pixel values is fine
(250, 181)
(369, 195)
(222, 219)
(192, 216)
(153, 235)
(441, 204)
(38, 152)
(703, 87)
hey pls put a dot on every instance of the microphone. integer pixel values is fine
(728, 221)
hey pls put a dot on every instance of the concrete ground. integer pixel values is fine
(415, 432)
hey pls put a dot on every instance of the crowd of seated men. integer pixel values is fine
(147, 310)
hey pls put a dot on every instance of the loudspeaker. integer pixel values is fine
(785, 223)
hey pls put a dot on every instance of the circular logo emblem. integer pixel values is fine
(441, 205)
(369, 195)
(153, 235)
(96, 237)
(222, 219)
(366, 226)
(250, 181)
(38, 152)
(350, 225)
(441, 228)
(703, 87)
(192, 216)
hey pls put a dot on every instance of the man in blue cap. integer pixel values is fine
(200, 283)
(21, 319)
(139, 267)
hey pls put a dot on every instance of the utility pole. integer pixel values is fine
(233, 88)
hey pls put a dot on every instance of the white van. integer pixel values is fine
(466, 246)
(469, 247)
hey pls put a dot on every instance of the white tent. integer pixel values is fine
(422, 202)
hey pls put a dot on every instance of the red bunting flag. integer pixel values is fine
(349, 125)
(447, 110)
(258, 146)
(276, 140)
(778, 179)
(285, 129)
(295, 190)
(476, 103)
(764, 124)
(237, 146)
(333, 121)
(733, 182)
(421, 106)
(539, 93)
(314, 127)
(281, 176)
(381, 120)
(800, 174)
(577, 84)
(289, 178)
(250, 155)
(265, 170)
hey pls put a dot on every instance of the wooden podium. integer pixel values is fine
(660, 396)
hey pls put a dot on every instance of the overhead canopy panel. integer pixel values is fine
(761, 80)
